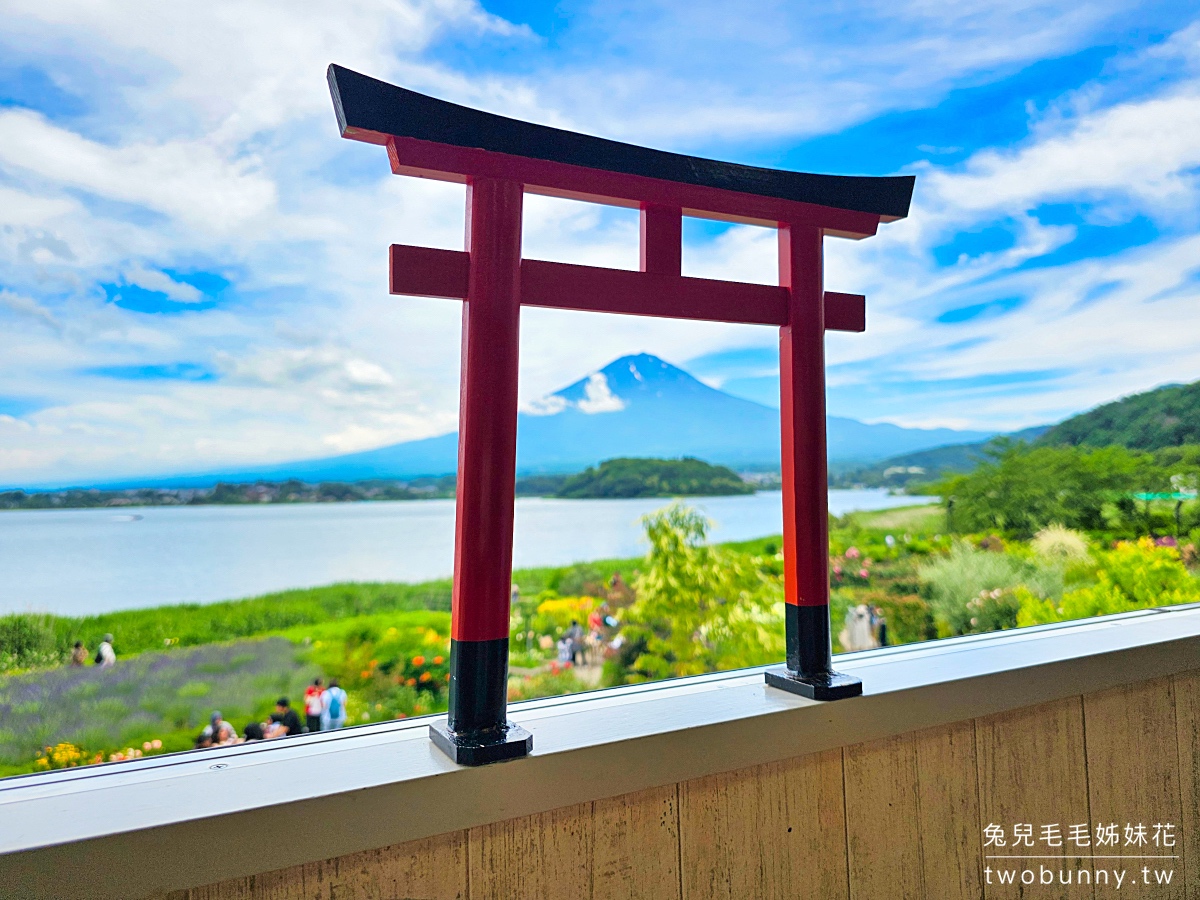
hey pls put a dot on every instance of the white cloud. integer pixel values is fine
(550, 405)
(154, 280)
(1144, 152)
(27, 306)
(598, 396)
(191, 181)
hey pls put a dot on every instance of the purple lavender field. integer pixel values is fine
(158, 695)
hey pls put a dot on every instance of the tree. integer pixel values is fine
(1021, 489)
(699, 608)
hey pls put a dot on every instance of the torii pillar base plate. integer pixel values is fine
(825, 686)
(482, 747)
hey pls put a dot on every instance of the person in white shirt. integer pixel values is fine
(333, 707)
(105, 655)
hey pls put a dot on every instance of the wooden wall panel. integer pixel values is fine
(542, 857)
(430, 869)
(636, 852)
(1133, 773)
(1187, 720)
(912, 815)
(1032, 771)
(882, 820)
(772, 831)
(948, 811)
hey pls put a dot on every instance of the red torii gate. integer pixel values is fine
(500, 159)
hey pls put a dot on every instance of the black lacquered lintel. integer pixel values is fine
(365, 104)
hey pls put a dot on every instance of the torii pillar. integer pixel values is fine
(502, 159)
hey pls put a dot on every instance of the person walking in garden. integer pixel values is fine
(333, 706)
(79, 654)
(575, 636)
(313, 706)
(879, 625)
(106, 656)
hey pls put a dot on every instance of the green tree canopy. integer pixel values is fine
(700, 608)
(1020, 489)
(627, 477)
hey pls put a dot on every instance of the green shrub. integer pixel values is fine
(1058, 543)
(581, 579)
(545, 684)
(1133, 575)
(391, 664)
(959, 578)
(554, 615)
(909, 618)
(994, 610)
(27, 640)
(699, 608)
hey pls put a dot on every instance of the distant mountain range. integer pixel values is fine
(636, 406)
(1167, 416)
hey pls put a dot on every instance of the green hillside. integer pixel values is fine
(685, 477)
(1165, 417)
(924, 467)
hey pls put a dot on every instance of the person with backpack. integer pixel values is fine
(333, 707)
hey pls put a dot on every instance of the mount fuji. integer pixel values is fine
(635, 406)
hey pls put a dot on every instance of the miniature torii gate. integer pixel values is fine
(500, 159)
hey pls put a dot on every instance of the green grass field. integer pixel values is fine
(916, 519)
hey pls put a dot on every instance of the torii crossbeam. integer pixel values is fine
(501, 159)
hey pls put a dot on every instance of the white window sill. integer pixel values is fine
(199, 817)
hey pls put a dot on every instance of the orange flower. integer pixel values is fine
(410, 682)
(418, 660)
(366, 674)
(425, 676)
(438, 660)
(401, 715)
(447, 676)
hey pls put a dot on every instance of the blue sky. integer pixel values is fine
(192, 263)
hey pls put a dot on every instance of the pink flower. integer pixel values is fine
(863, 573)
(853, 553)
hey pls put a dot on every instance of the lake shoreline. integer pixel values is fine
(82, 562)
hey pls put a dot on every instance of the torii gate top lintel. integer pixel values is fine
(501, 159)
(564, 163)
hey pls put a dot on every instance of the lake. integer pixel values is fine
(81, 561)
